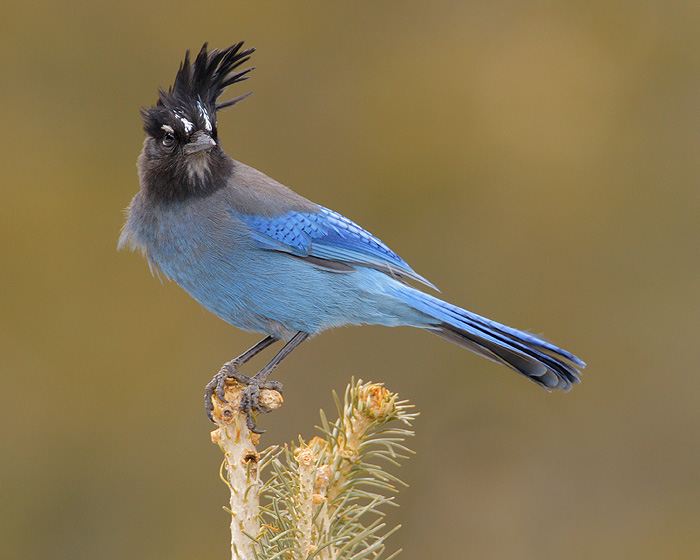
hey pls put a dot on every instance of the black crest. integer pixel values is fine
(208, 76)
(199, 84)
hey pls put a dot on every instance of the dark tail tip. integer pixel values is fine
(543, 364)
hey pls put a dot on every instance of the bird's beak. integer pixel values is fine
(201, 142)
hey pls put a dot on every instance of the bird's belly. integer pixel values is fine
(273, 293)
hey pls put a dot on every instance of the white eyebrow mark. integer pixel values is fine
(205, 116)
(168, 128)
(187, 124)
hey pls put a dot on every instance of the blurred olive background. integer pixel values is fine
(537, 161)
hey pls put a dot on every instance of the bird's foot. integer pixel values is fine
(250, 398)
(251, 402)
(217, 386)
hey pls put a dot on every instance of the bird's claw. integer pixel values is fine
(217, 386)
(250, 399)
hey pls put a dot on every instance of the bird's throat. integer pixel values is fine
(198, 167)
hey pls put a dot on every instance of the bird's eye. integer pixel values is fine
(168, 139)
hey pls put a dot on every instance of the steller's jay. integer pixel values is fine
(265, 259)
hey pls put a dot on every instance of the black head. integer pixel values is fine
(181, 157)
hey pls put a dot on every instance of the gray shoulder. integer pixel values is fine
(252, 192)
(135, 218)
(141, 226)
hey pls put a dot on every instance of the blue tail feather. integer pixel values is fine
(538, 360)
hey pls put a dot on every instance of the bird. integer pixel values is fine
(267, 260)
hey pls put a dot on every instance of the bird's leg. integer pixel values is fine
(230, 370)
(250, 400)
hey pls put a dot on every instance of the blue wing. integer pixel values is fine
(328, 236)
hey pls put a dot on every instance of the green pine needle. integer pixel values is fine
(326, 499)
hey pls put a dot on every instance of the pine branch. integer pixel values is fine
(240, 469)
(325, 499)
